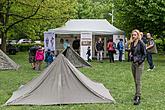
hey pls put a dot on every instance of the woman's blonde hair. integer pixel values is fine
(138, 33)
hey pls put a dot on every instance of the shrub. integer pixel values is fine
(25, 47)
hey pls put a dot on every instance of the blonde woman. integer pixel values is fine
(137, 54)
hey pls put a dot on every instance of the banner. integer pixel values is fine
(85, 44)
(49, 41)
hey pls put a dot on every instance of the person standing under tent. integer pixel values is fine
(99, 49)
(76, 45)
(88, 54)
(137, 54)
(66, 44)
(120, 47)
(111, 50)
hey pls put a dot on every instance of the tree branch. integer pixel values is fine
(12, 14)
(28, 17)
(32, 18)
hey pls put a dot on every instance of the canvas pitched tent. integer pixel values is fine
(6, 62)
(60, 83)
(74, 58)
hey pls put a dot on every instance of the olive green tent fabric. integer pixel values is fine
(75, 58)
(7, 63)
(60, 83)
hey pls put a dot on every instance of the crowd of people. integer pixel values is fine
(139, 47)
(150, 47)
(111, 48)
(37, 55)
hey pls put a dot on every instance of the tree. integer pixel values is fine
(93, 9)
(30, 18)
(145, 15)
(6, 13)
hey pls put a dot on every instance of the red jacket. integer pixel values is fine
(110, 46)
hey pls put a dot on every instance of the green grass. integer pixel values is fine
(116, 77)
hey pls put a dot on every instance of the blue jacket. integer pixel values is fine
(49, 57)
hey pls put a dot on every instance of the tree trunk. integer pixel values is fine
(4, 38)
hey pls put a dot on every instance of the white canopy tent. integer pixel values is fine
(98, 27)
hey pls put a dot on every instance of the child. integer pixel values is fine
(88, 54)
(49, 57)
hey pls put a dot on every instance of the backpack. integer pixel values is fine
(153, 50)
(48, 57)
(120, 46)
(111, 47)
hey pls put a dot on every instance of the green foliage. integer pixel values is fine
(26, 46)
(117, 77)
(145, 15)
(52, 14)
(91, 9)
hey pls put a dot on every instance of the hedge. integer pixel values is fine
(25, 47)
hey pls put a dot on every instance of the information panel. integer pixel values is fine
(85, 43)
(49, 41)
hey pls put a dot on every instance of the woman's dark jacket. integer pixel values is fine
(138, 52)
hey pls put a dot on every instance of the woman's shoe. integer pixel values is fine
(137, 100)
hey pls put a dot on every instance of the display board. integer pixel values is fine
(85, 42)
(49, 41)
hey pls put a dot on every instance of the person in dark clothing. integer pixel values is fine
(49, 57)
(150, 44)
(76, 45)
(120, 47)
(111, 50)
(99, 49)
(144, 38)
(11, 49)
(137, 54)
(88, 54)
(32, 53)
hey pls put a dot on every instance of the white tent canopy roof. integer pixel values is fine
(96, 26)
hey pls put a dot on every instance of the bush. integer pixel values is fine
(25, 47)
(160, 45)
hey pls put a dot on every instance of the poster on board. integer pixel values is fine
(85, 42)
(116, 39)
(49, 41)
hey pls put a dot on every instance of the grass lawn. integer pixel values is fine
(116, 77)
